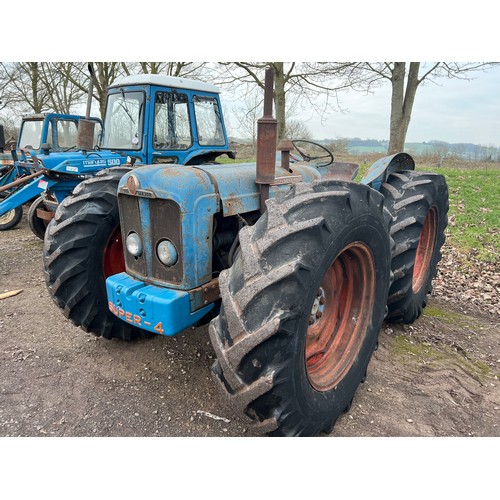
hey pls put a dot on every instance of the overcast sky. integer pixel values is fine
(453, 111)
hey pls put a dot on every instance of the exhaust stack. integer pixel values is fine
(267, 134)
(86, 127)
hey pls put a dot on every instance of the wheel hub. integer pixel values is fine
(318, 306)
(7, 217)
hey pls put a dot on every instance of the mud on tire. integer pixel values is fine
(80, 251)
(291, 370)
(418, 203)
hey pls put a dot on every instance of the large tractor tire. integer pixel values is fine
(37, 225)
(83, 246)
(418, 203)
(11, 218)
(302, 307)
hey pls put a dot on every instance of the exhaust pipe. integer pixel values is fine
(267, 134)
(86, 127)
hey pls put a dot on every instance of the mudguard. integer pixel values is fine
(378, 173)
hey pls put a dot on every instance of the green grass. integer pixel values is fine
(474, 215)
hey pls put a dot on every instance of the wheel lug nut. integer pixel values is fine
(319, 314)
(322, 300)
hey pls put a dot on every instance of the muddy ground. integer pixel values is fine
(438, 377)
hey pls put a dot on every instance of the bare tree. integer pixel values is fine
(248, 114)
(185, 69)
(292, 82)
(296, 129)
(107, 72)
(63, 94)
(405, 78)
(23, 88)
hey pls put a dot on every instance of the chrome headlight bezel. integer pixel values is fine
(133, 244)
(167, 253)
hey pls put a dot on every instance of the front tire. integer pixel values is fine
(418, 203)
(38, 226)
(82, 248)
(302, 307)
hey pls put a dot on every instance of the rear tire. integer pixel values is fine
(82, 247)
(302, 307)
(38, 226)
(418, 203)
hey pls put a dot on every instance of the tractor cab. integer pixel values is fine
(55, 132)
(163, 119)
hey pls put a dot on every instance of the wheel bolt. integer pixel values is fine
(319, 314)
(322, 300)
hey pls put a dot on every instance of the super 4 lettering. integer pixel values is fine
(134, 319)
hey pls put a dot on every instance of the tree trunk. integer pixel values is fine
(402, 103)
(279, 98)
(37, 103)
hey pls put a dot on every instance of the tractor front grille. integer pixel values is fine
(153, 219)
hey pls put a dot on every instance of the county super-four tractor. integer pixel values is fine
(296, 266)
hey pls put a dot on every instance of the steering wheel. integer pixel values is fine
(306, 157)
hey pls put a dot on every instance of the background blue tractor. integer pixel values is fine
(149, 119)
(295, 266)
(54, 132)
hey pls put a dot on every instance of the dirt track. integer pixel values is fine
(438, 377)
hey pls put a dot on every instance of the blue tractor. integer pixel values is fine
(149, 119)
(295, 266)
(56, 132)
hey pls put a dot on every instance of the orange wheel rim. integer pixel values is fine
(425, 250)
(340, 316)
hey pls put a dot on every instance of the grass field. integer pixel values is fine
(474, 215)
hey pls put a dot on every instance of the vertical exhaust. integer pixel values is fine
(267, 134)
(86, 127)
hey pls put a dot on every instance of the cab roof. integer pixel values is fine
(165, 81)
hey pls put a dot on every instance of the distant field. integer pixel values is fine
(416, 148)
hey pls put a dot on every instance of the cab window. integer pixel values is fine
(172, 128)
(208, 121)
(67, 133)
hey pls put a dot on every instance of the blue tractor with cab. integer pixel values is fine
(294, 266)
(54, 132)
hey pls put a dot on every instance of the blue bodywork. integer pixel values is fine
(61, 177)
(63, 171)
(167, 307)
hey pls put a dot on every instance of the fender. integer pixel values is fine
(378, 173)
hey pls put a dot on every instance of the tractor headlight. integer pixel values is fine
(166, 252)
(133, 244)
